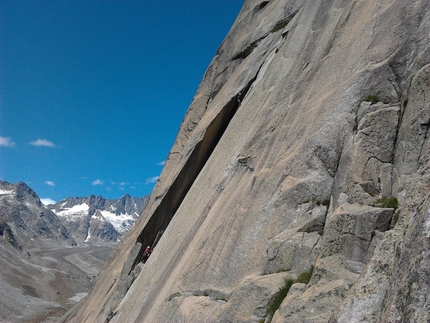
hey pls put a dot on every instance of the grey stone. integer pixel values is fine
(350, 229)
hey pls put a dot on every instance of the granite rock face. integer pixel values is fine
(306, 144)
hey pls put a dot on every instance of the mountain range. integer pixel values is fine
(50, 255)
(94, 218)
(72, 220)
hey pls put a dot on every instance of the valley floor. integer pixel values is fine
(44, 283)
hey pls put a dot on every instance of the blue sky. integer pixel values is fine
(92, 92)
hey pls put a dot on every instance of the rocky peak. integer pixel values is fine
(22, 192)
(23, 217)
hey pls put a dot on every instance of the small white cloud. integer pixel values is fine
(6, 142)
(152, 180)
(122, 184)
(98, 182)
(42, 143)
(47, 201)
(162, 163)
(50, 183)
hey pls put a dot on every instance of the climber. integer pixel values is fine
(239, 98)
(147, 253)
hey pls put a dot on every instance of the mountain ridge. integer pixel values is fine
(96, 218)
(114, 217)
(44, 270)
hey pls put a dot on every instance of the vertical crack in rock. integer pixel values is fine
(183, 182)
(171, 201)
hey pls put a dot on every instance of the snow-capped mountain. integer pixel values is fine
(93, 218)
(24, 218)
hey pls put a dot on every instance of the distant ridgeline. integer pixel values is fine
(95, 218)
(50, 255)
(72, 221)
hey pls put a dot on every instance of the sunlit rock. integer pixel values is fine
(307, 144)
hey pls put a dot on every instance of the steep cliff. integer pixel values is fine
(306, 146)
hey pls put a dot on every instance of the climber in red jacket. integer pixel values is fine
(147, 253)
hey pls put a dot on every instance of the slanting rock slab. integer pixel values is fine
(309, 113)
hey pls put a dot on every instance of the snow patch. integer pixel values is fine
(99, 215)
(4, 192)
(88, 235)
(75, 212)
(121, 222)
